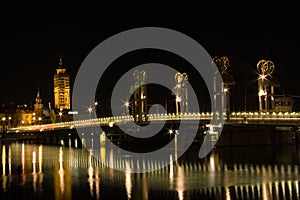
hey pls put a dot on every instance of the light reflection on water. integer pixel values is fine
(39, 172)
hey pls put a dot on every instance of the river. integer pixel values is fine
(36, 171)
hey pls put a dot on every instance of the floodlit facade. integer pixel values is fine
(61, 88)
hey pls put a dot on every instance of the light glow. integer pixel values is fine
(262, 76)
(262, 93)
(178, 98)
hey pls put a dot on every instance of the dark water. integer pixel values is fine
(34, 171)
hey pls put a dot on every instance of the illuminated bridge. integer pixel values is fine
(235, 118)
(273, 123)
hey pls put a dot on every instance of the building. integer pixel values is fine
(61, 88)
(284, 104)
(23, 116)
(38, 106)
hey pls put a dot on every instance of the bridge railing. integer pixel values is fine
(265, 115)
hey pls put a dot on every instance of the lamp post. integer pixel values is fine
(227, 95)
(176, 133)
(3, 124)
(90, 110)
(33, 118)
(96, 104)
(9, 119)
(40, 119)
(60, 115)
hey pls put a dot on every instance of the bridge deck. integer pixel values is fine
(235, 118)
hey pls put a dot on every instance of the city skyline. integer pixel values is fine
(154, 129)
(31, 43)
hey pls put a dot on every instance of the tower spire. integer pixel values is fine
(60, 61)
(38, 98)
(38, 106)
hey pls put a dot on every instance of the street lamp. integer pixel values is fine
(40, 119)
(9, 119)
(261, 93)
(3, 123)
(90, 110)
(175, 133)
(126, 105)
(60, 115)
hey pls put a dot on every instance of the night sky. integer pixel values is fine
(34, 34)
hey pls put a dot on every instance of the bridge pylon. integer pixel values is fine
(181, 93)
(222, 63)
(139, 97)
(266, 85)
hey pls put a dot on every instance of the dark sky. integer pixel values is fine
(33, 34)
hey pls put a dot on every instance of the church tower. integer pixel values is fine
(38, 106)
(61, 87)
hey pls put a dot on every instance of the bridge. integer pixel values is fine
(274, 111)
(287, 119)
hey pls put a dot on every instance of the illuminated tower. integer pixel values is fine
(222, 63)
(181, 93)
(61, 88)
(38, 106)
(139, 97)
(266, 85)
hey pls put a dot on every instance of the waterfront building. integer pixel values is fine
(61, 88)
(23, 116)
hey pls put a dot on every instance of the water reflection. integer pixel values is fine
(3, 160)
(40, 158)
(93, 178)
(61, 171)
(66, 172)
(33, 162)
(128, 183)
(180, 182)
(9, 160)
(23, 157)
